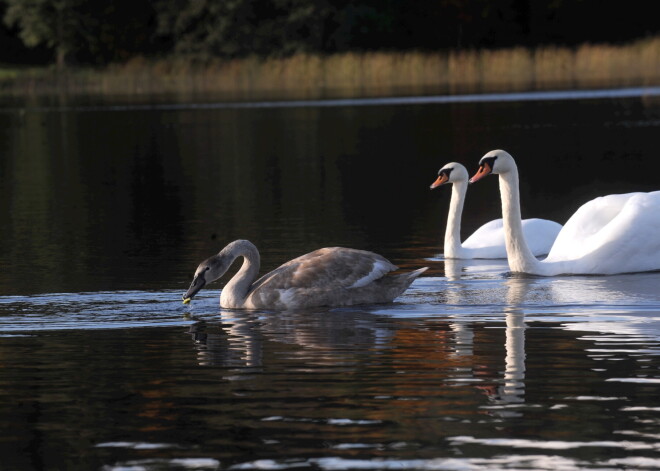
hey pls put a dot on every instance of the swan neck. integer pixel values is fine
(236, 290)
(452, 245)
(519, 255)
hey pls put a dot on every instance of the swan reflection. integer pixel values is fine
(436, 353)
(233, 342)
(485, 282)
(237, 338)
(456, 269)
(513, 388)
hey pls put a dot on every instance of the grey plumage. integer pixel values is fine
(331, 276)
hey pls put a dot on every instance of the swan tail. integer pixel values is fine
(415, 273)
(403, 281)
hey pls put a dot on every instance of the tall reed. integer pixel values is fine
(306, 76)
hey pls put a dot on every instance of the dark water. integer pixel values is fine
(107, 211)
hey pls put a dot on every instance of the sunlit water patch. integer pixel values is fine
(498, 463)
(478, 291)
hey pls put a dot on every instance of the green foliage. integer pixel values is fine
(87, 31)
(102, 31)
(51, 22)
(231, 28)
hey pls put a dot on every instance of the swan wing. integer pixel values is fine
(490, 234)
(328, 268)
(488, 241)
(577, 236)
(540, 234)
(612, 234)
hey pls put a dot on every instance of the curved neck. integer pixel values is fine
(519, 255)
(236, 290)
(453, 231)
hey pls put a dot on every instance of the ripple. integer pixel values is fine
(553, 444)
(341, 422)
(175, 463)
(597, 398)
(137, 445)
(538, 462)
(635, 380)
(97, 310)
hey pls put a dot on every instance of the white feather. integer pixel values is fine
(608, 235)
(488, 240)
(379, 269)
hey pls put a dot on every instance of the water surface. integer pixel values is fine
(108, 210)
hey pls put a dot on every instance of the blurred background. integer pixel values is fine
(80, 32)
(314, 49)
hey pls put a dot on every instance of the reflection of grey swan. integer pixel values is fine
(607, 235)
(332, 276)
(488, 240)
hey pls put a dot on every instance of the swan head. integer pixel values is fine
(208, 271)
(495, 161)
(450, 173)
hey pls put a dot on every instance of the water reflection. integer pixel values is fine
(513, 389)
(599, 292)
(445, 351)
(236, 338)
(379, 383)
(234, 342)
(104, 212)
(456, 269)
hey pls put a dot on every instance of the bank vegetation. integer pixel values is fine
(352, 74)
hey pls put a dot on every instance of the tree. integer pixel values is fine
(85, 31)
(233, 28)
(54, 23)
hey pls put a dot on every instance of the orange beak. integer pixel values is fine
(442, 179)
(484, 171)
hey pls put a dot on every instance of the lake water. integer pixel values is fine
(108, 207)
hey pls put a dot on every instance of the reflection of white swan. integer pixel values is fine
(488, 240)
(326, 277)
(456, 269)
(513, 388)
(610, 234)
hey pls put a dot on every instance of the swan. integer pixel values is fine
(488, 240)
(332, 276)
(611, 234)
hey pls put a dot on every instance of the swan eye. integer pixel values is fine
(200, 273)
(489, 162)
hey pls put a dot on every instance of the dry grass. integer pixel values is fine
(359, 75)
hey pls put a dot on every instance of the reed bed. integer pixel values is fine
(306, 76)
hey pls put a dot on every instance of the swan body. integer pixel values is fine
(488, 240)
(611, 234)
(332, 276)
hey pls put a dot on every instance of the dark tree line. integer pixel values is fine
(98, 32)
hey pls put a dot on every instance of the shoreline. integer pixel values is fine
(647, 94)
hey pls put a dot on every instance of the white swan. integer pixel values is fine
(488, 240)
(332, 276)
(607, 235)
